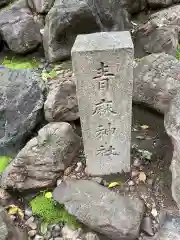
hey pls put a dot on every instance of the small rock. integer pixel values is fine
(32, 233)
(91, 236)
(12, 217)
(30, 223)
(4, 196)
(48, 235)
(28, 212)
(39, 237)
(137, 162)
(57, 228)
(146, 226)
(69, 233)
(55, 233)
(131, 183)
(154, 212)
(79, 167)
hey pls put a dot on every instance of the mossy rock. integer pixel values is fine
(52, 212)
(20, 63)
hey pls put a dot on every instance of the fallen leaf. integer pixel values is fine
(141, 177)
(144, 127)
(113, 184)
(154, 212)
(13, 209)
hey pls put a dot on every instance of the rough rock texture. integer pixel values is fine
(169, 16)
(43, 159)
(134, 6)
(19, 30)
(172, 126)
(21, 101)
(156, 79)
(61, 103)
(149, 38)
(159, 3)
(67, 19)
(41, 6)
(104, 211)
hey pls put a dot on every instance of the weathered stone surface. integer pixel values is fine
(61, 103)
(19, 30)
(172, 126)
(104, 211)
(152, 39)
(21, 101)
(41, 6)
(169, 16)
(43, 158)
(67, 19)
(159, 3)
(101, 85)
(156, 79)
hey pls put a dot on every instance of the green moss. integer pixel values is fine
(49, 75)
(178, 52)
(51, 212)
(20, 63)
(4, 162)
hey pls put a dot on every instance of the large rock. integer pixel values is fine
(172, 126)
(156, 79)
(67, 19)
(61, 103)
(43, 159)
(41, 6)
(107, 212)
(159, 3)
(21, 101)
(19, 30)
(149, 38)
(169, 16)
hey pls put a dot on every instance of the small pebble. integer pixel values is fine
(30, 223)
(48, 235)
(57, 227)
(134, 173)
(97, 179)
(56, 233)
(39, 237)
(28, 212)
(32, 233)
(79, 166)
(137, 162)
(131, 183)
(12, 217)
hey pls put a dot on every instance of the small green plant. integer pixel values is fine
(50, 211)
(49, 75)
(4, 162)
(178, 52)
(20, 63)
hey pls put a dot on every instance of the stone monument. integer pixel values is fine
(103, 68)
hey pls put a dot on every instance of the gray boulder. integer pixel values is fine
(44, 158)
(67, 19)
(21, 102)
(149, 38)
(172, 126)
(40, 6)
(159, 3)
(61, 103)
(156, 80)
(104, 211)
(19, 30)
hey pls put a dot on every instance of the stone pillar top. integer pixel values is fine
(102, 41)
